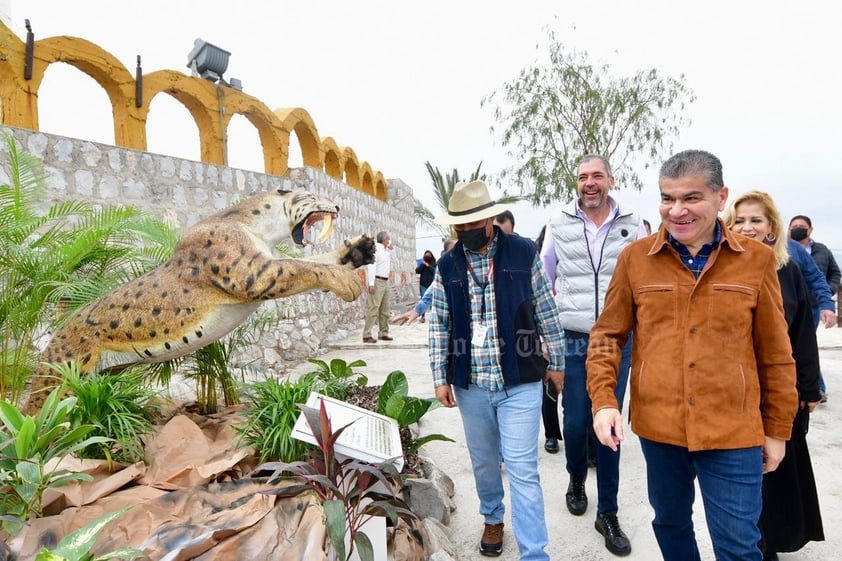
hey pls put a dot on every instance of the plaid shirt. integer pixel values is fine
(696, 263)
(485, 361)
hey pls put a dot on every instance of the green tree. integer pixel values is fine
(443, 186)
(550, 116)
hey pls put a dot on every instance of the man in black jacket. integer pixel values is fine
(801, 230)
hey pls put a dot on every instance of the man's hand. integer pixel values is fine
(809, 405)
(445, 396)
(773, 452)
(828, 318)
(371, 289)
(608, 426)
(405, 318)
(556, 378)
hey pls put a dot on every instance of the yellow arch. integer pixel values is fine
(299, 120)
(351, 167)
(333, 157)
(200, 98)
(380, 186)
(106, 71)
(203, 99)
(268, 125)
(366, 183)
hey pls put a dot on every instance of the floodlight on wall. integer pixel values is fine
(207, 60)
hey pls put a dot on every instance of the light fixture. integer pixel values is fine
(208, 61)
(30, 50)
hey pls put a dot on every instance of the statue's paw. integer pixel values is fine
(358, 252)
(348, 287)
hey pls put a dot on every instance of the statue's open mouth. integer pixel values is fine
(299, 233)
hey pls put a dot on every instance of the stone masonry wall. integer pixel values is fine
(182, 192)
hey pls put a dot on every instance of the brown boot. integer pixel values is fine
(491, 544)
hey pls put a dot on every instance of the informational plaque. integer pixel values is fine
(370, 437)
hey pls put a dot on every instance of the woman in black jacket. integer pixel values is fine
(791, 515)
(427, 272)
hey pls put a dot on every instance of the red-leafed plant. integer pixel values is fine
(348, 489)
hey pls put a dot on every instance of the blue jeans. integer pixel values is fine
(730, 482)
(507, 422)
(577, 420)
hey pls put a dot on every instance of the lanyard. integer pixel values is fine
(482, 285)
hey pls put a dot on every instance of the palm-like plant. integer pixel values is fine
(118, 405)
(55, 261)
(443, 186)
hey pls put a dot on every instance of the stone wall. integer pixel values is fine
(183, 192)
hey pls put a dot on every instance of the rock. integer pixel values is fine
(441, 479)
(427, 500)
(437, 540)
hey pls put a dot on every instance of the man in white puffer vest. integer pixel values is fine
(581, 246)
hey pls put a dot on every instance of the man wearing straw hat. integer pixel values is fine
(492, 319)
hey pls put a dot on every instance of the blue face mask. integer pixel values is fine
(473, 240)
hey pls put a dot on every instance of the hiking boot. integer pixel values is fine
(577, 500)
(491, 544)
(616, 540)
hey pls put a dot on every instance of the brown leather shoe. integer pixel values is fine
(369, 340)
(491, 544)
(386, 338)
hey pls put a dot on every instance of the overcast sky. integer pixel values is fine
(401, 82)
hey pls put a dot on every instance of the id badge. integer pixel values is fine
(479, 333)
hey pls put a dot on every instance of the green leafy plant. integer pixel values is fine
(270, 417)
(117, 405)
(28, 446)
(335, 379)
(443, 186)
(394, 401)
(351, 491)
(56, 261)
(77, 545)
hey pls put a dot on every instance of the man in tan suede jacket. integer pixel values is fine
(712, 380)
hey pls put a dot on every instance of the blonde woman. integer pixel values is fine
(790, 516)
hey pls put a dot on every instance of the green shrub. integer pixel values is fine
(335, 379)
(270, 417)
(117, 405)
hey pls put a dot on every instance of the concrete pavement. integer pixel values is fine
(574, 537)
